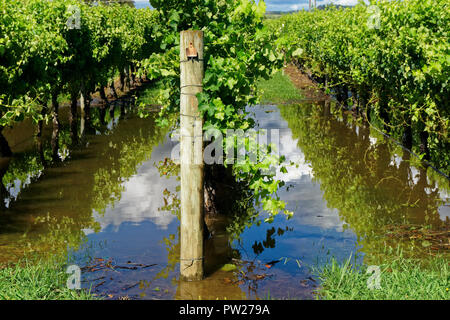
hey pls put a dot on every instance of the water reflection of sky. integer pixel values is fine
(133, 229)
(316, 230)
(142, 197)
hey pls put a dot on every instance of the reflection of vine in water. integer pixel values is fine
(125, 158)
(169, 169)
(106, 181)
(232, 201)
(27, 167)
(172, 244)
(56, 237)
(269, 243)
(19, 174)
(61, 236)
(361, 179)
(46, 235)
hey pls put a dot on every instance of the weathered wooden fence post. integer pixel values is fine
(191, 156)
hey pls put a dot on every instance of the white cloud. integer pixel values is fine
(346, 2)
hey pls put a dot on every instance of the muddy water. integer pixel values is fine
(111, 208)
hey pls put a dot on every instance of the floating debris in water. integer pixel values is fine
(101, 264)
(437, 240)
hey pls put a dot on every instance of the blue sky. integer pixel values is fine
(279, 5)
(287, 5)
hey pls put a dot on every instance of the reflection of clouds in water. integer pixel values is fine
(142, 195)
(307, 203)
(444, 212)
(444, 195)
(415, 175)
(396, 161)
(289, 149)
(314, 222)
(268, 117)
(306, 198)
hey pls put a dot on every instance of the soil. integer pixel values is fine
(307, 86)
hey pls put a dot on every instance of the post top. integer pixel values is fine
(199, 32)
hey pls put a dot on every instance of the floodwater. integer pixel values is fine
(111, 207)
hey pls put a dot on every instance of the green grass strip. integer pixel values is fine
(401, 279)
(38, 281)
(278, 90)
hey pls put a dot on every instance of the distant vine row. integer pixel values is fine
(388, 60)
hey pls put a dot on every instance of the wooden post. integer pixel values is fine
(191, 156)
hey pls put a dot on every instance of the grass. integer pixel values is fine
(38, 281)
(279, 89)
(401, 279)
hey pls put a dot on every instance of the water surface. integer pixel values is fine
(111, 207)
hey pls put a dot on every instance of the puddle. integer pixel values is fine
(110, 207)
